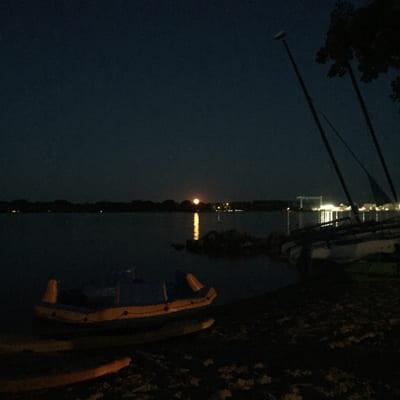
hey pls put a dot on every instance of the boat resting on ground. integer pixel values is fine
(348, 250)
(129, 301)
(52, 380)
(18, 344)
(344, 244)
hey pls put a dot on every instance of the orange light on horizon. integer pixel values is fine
(196, 201)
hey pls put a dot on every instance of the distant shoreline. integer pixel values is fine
(63, 206)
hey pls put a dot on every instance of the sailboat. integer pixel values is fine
(344, 244)
(352, 241)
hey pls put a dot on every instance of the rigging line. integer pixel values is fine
(344, 142)
(380, 196)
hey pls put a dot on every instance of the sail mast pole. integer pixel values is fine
(371, 130)
(281, 36)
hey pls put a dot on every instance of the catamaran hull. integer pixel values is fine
(343, 252)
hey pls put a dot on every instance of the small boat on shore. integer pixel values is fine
(344, 251)
(31, 344)
(56, 379)
(344, 244)
(129, 301)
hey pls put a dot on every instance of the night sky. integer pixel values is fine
(146, 99)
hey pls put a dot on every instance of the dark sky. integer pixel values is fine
(149, 99)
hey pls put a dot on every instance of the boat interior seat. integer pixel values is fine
(176, 292)
(74, 298)
(182, 290)
(132, 293)
(142, 293)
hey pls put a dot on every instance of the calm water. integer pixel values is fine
(77, 248)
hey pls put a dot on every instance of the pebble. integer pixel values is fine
(264, 380)
(221, 395)
(95, 396)
(243, 384)
(195, 381)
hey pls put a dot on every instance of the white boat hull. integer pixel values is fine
(343, 252)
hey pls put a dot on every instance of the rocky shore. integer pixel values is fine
(322, 339)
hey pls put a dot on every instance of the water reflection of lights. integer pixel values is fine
(329, 217)
(326, 216)
(196, 226)
(333, 216)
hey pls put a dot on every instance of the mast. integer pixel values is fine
(371, 130)
(281, 36)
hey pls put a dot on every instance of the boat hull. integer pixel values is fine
(46, 327)
(347, 251)
(344, 243)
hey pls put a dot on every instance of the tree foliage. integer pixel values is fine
(370, 34)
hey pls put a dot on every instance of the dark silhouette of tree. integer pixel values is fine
(369, 34)
(169, 205)
(187, 205)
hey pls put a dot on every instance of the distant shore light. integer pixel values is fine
(196, 201)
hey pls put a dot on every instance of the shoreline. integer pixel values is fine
(320, 339)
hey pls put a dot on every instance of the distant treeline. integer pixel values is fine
(65, 206)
